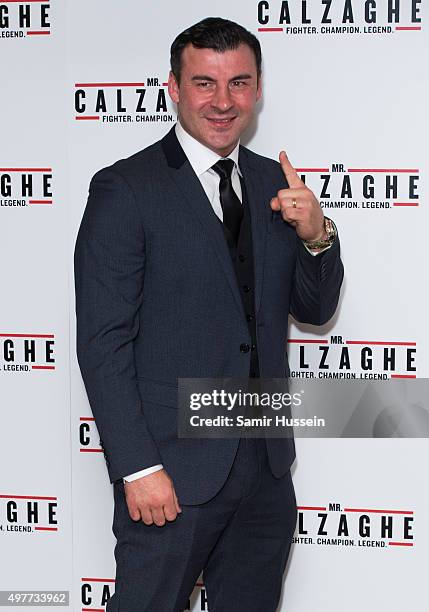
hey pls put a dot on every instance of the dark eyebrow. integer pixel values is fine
(242, 77)
(202, 77)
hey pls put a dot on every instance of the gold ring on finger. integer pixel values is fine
(294, 203)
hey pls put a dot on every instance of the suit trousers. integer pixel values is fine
(240, 539)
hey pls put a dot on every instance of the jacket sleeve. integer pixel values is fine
(317, 283)
(109, 263)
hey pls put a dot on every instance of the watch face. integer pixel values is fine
(331, 230)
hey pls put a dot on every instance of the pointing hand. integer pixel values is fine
(298, 204)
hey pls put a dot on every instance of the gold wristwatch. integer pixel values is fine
(331, 232)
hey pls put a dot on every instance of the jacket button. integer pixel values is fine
(246, 288)
(253, 347)
(244, 348)
(242, 257)
(249, 317)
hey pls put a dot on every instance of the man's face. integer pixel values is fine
(217, 95)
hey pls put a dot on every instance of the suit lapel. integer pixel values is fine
(260, 216)
(195, 197)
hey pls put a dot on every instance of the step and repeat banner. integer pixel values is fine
(346, 94)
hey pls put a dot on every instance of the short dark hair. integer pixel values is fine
(214, 33)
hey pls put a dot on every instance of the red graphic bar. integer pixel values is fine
(86, 419)
(379, 343)
(27, 497)
(27, 336)
(398, 170)
(91, 450)
(36, 367)
(165, 84)
(98, 580)
(93, 609)
(109, 84)
(312, 169)
(403, 376)
(24, 1)
(46, 528)
(270, 29)
(40, 201)
(401, 544)
(408, 28)
(38, 33)
(374, 511)
(311, 508)
(89, 118)
(406, 204)
(25, 169)
(302, 341)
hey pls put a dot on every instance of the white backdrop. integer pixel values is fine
(346, 94)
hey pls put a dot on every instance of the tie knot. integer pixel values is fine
(224, 168)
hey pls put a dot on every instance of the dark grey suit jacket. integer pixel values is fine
(157, 299)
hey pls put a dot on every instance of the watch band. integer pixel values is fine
(331, 232)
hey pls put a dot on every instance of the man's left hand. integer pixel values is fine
(298, 205)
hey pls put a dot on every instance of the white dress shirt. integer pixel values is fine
(202, 159)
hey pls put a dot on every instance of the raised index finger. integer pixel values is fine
(289, 171)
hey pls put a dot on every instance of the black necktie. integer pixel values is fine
(231, 205)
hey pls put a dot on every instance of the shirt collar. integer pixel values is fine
(201, 157)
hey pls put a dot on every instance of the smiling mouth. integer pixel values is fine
(221, 122)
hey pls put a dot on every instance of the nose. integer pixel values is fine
(221, 99)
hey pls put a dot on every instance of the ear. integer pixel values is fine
(173, 88)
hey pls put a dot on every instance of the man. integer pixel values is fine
(188, 265)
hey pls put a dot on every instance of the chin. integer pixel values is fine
(223, 144)
(222, 150)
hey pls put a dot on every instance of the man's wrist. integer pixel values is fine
(141, 473)
(326, 239)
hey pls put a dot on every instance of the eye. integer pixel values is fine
(238, 84)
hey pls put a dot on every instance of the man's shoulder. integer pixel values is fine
(270, 167)
(139, 166)
(139, 158)
(257, 158)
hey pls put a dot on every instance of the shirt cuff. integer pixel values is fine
(316, 252)
(145, 472)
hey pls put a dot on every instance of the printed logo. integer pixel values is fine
(334, 525)
(142, 102)
(89, 440)
(23, 187)
(27, 352)
(341, 187)
(351, 359)
(337, 17)
(97, 591)
(22, 19)
(28, 513)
